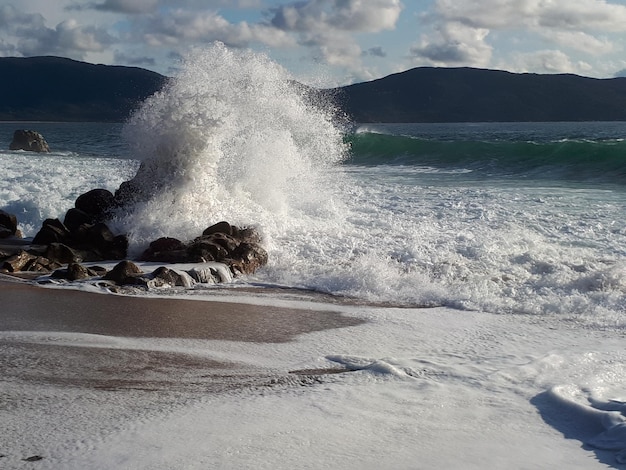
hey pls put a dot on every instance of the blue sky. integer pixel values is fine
(329, 42)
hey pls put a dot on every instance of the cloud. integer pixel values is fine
(579, 41)
(68, 38)
(462, 29)
(123, 58)
(328, 27)
(182, 26)
(317, 16)
(548, 61)
(454, 44)
(376, 51)
(128, 6)
(583, 15)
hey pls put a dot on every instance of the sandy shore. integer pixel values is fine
(31, 308)
(52, 389)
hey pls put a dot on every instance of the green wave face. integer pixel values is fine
(567, 159)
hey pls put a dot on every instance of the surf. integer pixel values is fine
(232, 137)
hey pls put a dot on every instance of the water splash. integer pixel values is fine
(231, 137)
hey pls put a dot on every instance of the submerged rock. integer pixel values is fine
(29, 140)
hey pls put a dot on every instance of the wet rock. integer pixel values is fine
(166, 250)
(220, 227)
(97, 203)
(8, 224)
(63, 253)
(52, 231)
(74, 218)
(28, 140)
(18, 261)
(74, 272)
(124, 272)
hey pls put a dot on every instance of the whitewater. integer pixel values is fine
(487, 260)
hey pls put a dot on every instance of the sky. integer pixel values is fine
(328, 42)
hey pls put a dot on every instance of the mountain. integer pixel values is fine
(428, 94)
(59, 89)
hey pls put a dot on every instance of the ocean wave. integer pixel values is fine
(578, 159)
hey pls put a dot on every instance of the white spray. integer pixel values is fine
(232, 137)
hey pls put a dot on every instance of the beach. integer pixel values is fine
(107, 381)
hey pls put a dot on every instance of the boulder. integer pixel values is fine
(8, 224)
(220, 227)
(166, 250)
(97, 203)
(52, 231)
(124, 272)
(74, 272)
(29, 140)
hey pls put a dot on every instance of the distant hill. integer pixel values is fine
(59, 89)
(428, 94)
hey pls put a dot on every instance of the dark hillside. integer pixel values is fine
(428, 94)
(59, 89)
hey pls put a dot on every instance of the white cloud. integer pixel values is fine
(462, 31)
(328, 27)
(68, 38)
(181, 26)
(548, 61)
(317, 16)
(454, 44)
(580, 41)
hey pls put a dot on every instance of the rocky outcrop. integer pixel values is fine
(220, 253)
(28, 140)
(8, 225)
(238, 248)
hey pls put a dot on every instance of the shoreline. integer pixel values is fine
(32, 308)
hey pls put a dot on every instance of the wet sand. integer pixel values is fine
(55, 393)
(31, 308)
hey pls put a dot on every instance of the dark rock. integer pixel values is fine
(124, 272)
(165, 276)
(34, 458)
(74, 272)
(203, 250)
(248, 257)
(63, 254)
(29, 140)
(18, 261)
(99, 242)
(220, 227)
(74, 218)
(8, 224)
(97, 203)
(166, 250)
(52, 231)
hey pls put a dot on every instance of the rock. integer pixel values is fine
(166, 250)
(124, 272)
(98, 203)
(74, 218)
(164, 276)
(29, 140)
(52, 231)
(63, 254)
(247, 258)
(74, 272)
(220, 227)
(24, 261)
(18, 261)
(8, 224)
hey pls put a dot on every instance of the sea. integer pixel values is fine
(517, 227)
